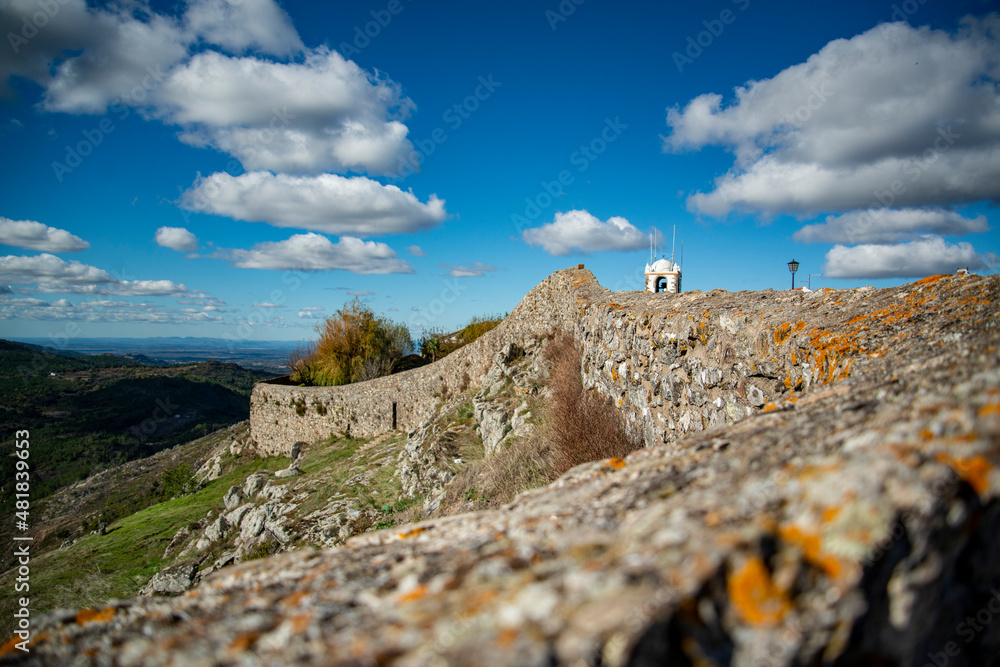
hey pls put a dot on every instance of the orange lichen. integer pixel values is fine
(615, 463)
(991, 409)
(416, 594)
(300, 622)
(812, 549)
(9, 645)
(244, 641)
(754, 595)
(974, 470)
(293, 599)
(479, 600)
(930, 279)
(85, 616)
(769, 407)
(507, 637)
(413, 532)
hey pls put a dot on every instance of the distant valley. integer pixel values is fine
(88, 412)
(267, 356)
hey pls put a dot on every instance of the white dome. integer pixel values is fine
(661, 266)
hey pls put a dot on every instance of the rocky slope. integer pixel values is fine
(333, 490)
(853, 520)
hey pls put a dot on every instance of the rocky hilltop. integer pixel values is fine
(819, 486)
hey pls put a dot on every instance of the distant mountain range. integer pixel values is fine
(264, 355)
(87, 412)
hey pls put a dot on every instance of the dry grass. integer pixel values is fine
(580, 425)
(524, 463)
(577, 426)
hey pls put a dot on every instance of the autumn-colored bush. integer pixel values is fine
(580, 425)
(354, 345)
(436, 344)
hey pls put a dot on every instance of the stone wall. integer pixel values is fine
(674, 363)
(282, 414)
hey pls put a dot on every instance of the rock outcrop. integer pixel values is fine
(822, 488)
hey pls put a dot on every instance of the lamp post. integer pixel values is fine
(793, 266)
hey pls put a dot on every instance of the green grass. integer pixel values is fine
(117, 565)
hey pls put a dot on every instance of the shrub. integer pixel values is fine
(477, 326)
(581, 425)
(354, 345)
(176, 481)
(262, 550)
(436, 344)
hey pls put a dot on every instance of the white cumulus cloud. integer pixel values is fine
(259, 25)
(234, 76)
(322, 114)
(327, 203)
(895, 117)
(884, 225)
(36, 236)
(926, 256)
(580, 230)
(314, 252)
(176, 238)
(470, 270)
(49, 273)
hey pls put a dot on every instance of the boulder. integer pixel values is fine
(171, 581)
(254, 483)
(232, 498)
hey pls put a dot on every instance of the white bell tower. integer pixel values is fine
(663, 275)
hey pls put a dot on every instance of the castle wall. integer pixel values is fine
(673, 363)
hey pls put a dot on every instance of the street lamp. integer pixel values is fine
(793, 266)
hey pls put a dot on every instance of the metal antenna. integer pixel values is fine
(673, 244)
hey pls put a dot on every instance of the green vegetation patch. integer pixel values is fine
(116, 565)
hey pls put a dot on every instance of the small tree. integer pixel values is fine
(354, 345)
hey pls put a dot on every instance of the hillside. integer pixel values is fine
(819, 486)
(86, 413)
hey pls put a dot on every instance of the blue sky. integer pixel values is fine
(242, 168)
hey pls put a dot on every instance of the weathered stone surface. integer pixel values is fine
(172, 581)
(232, 498)
(217, 529)
(254, 483)
(253, 523)
(235, 517)
(290, 471)
(853, 519)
